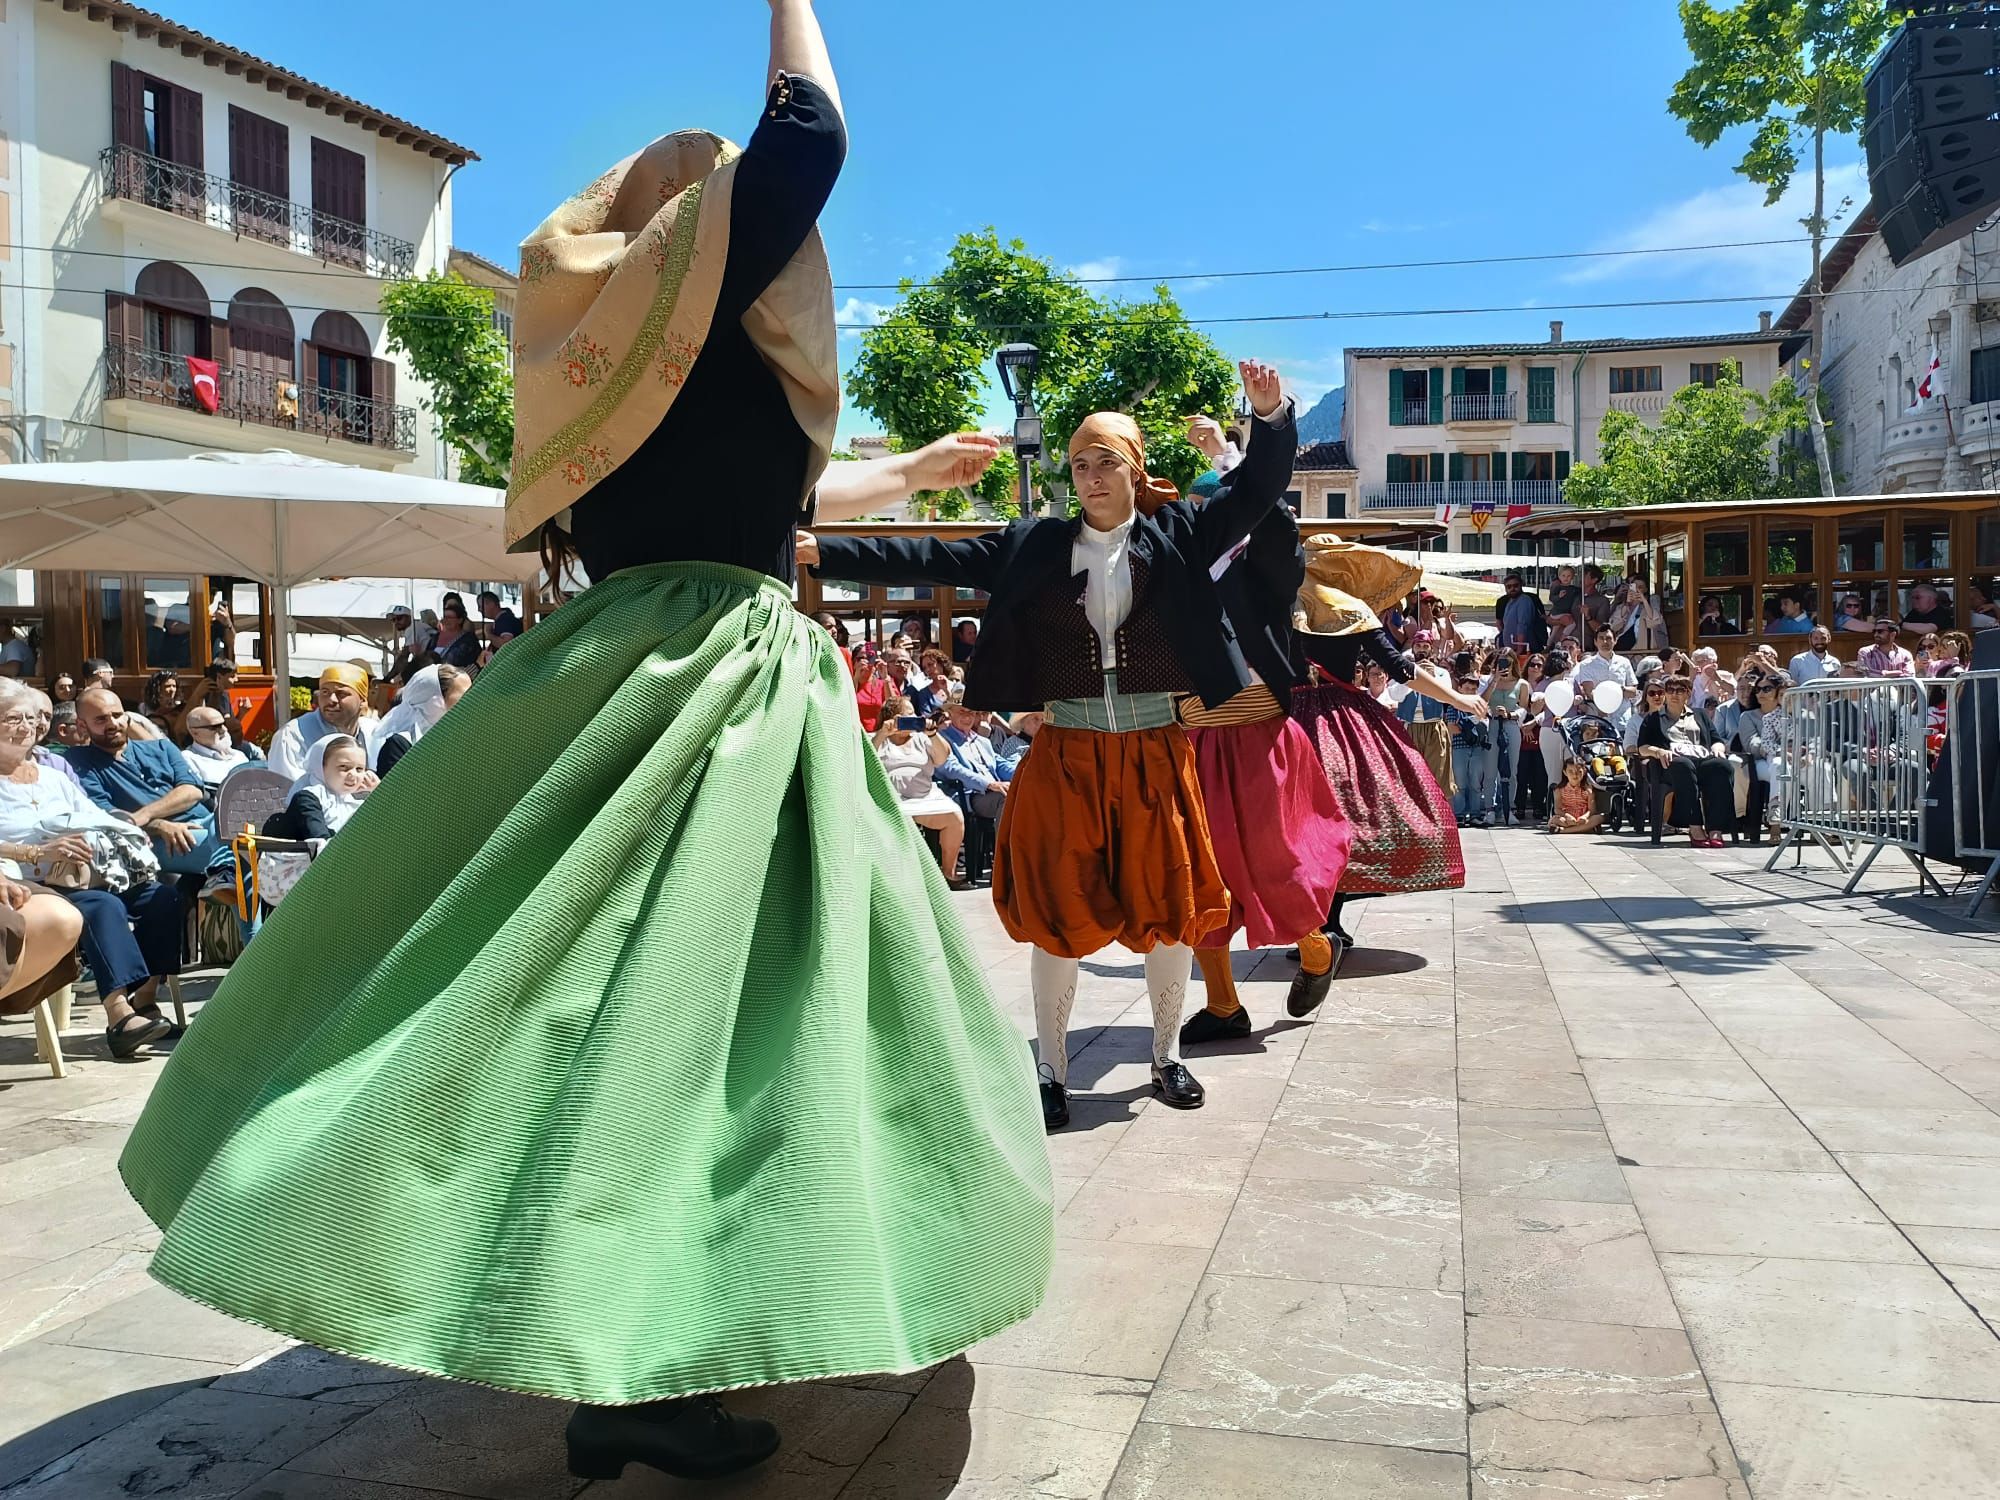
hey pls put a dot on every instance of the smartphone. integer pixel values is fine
(912, 721)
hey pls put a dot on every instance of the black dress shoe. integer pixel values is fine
(1207, 1026)
(1310, 990)
(128, 1036)
(1055, 1106)
(694, 1438)
(1176, 1087)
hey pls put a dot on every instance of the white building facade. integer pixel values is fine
(1482, 427)
(172, 204)
(1884, 324)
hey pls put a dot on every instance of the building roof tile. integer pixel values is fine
(1578, 346)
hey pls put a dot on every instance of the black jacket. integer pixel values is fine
(1259, 591)
(1178, 545)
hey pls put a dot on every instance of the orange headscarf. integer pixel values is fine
(1120, 435)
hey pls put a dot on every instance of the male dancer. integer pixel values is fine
(1278, 832)
(1105, 619)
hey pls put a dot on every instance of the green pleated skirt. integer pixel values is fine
(621, 1047)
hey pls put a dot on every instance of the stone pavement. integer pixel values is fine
(1622, 1173)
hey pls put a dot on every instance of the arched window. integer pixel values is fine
(261, 335)
(340, 352)
(347, 382)
(173, 310)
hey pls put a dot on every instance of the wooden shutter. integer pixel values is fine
(1455, 467)
(1399, 468)
(260, 160)
(184, 127)
(1437, 395)
(123, 323)
(1436, 474)
(1519, 472)
(1458, 380)
(1395, 398)
(1499, 380)
(1499, 467)
(1541, 391)
(339, 192)
(217, 341)
(1562, 464)
(128, 107)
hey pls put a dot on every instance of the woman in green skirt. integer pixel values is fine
(687, 1080)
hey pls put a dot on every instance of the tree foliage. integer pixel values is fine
(922, 371)
(443, 324)
(1721, 443)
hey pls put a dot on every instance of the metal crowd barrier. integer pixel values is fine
(1855, 774)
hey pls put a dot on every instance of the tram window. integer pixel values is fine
(1926, 544)
(1928, 606)
(1722, 612)
(832, 589)
(1673, 577)
(974, 594)
(1986, 542)
(1780, 620)
(1855, 606)
(1861, 548)
(111, 620)
(911, 595)
(169, 629)
(1725, 552)
(1788, 551)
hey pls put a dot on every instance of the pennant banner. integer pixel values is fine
(1482, 513)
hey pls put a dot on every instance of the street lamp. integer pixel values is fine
(1017, 378)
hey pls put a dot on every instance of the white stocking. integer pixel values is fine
(1168, 968)
(1053, 983)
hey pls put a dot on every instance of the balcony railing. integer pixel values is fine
(133, 373)
(1481, 408)
(136, 177)
(1416, 414)
(1462, 494)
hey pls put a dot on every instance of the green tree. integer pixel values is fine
(444, 325)
(1795, 69)
(922, 371)
(1720, 443)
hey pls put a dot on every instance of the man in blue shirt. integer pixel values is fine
(148, 781)
(972, 773)
(1792, 617)
(1519, 614)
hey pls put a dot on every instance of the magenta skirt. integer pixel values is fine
(1279, 836)
(1405, 837)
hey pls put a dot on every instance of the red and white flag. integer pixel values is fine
(207, 377)
(1929, 385)
(1518, 510)
(1444, 512)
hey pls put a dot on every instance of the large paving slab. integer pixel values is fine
(1623, 1172)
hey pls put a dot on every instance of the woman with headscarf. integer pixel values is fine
(1405, 836)
(425, 698)
(1279, 838)
(1107, 620)
(753, 1116)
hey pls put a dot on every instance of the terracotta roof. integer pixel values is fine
(148, 25)
(1837, 263)
(1576, 346)
(1318, 458)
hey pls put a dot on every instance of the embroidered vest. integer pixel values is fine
(1068, 658)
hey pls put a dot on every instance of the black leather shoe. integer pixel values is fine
(1207, 1026)
(1055, 1106)
(694, 1438)
(1176, 1087)
(128, 1036)
(1309, 990)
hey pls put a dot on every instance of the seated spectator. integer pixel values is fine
(216, 688)
(161, 702)
(63, 689)
(425, 700)
(1636, 620)
(871, 691)
(1012, 741)
(1695, 758)
(1851, 615)
(1652, 698)
(911, 756)
(212, 751)
(1760, 741)
(1816, 661)
(1929, 609)
(335, 783)
(1981, 613)
(413, 642)
(1576, 804)
(502, 625)
(39, 932)
(51, 833)
(832, 626)
(1792, 617)
(151, 783)
(930, 687)
(64, 730)
(972, 770)
(456, 644)
(1713, 621)
(1748, 675)
(1952, 652)
(1884, 656)
(964, 640)
(97, 672)
(341, 707)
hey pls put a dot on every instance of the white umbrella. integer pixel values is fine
(278, 517)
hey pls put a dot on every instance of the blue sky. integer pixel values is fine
(1138, 137)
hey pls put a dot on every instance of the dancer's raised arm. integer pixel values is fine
(1257, 484)
(798, 47)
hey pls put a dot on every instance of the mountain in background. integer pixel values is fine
(1322, 423)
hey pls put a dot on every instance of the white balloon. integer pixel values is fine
(1559, 696)
(1608, 696)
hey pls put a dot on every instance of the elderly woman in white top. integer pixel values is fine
(911, 756)
(51, 833)
(425, 699)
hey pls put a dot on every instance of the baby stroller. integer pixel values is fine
(1595, 744)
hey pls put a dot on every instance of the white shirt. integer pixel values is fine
(1105, 557)
(1595, 669)
(1807, 667)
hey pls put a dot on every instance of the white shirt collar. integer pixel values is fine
(1091, 535)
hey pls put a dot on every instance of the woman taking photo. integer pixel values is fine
(911, 749)
(1636, 619)
(871, 691)
(752, 1115)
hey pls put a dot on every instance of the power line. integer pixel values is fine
(1543, 257)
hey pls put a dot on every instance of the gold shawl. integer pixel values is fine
(618, 292)
(1348, 584)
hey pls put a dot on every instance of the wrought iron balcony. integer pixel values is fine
(136, 177)
(1482, 408)
(134, 373)
(1462, 495)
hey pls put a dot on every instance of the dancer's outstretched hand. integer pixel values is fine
(806, 545)
(1262, 385)
(1206, 434)
(961, 458)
